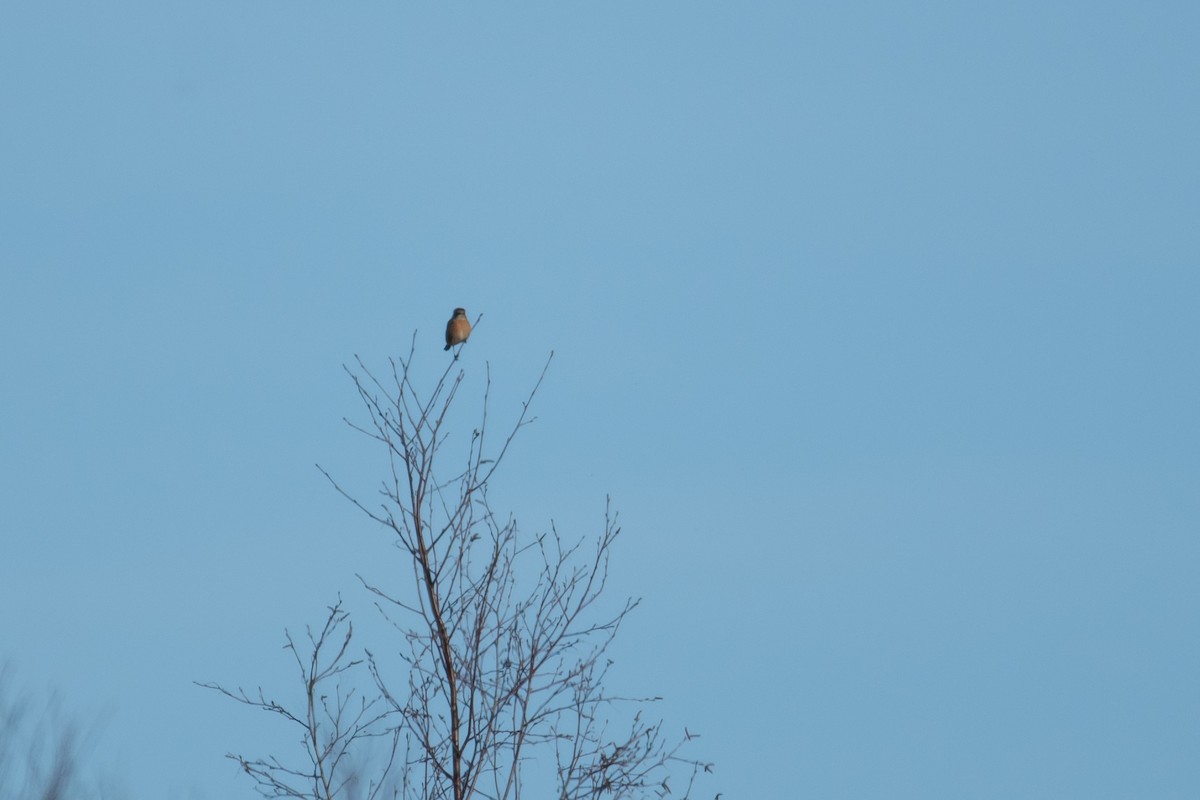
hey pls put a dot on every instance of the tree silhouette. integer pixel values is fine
(41, 750)
(503, 640)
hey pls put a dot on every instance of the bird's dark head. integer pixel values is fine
(460, 312)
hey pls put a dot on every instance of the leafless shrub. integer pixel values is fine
(40, 748)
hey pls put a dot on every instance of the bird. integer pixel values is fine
(458, 329)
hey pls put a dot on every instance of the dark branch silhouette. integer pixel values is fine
(502, 637)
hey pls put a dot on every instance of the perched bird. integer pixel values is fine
(458, 329)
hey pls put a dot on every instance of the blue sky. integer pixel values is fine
(878, 321)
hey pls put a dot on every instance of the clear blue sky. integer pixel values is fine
(877, 320)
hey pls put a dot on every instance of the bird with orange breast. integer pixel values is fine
(458, 329)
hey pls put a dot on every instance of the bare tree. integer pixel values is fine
(504, 640)
(40, 749)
